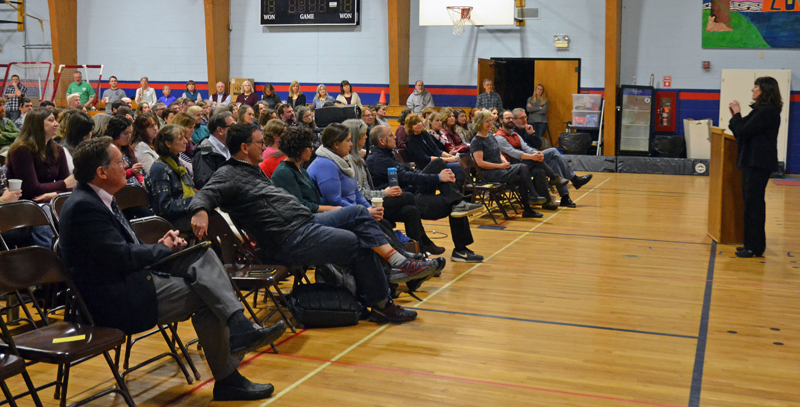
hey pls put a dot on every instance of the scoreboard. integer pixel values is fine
(310, 12)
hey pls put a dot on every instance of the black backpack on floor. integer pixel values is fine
(322, 305)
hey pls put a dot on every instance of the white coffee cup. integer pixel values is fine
(377, 202)
(14, 184)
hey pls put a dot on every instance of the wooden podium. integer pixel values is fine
(725, 201)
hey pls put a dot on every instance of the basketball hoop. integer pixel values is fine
(459, 15)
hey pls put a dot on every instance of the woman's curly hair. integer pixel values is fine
(295, 140)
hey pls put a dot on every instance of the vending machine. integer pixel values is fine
(636, 119)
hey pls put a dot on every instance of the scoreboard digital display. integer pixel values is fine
(309, 12)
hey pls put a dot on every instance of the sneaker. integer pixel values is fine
(465, 208)
(578, 182)
(559, 182)
(412, 270)
(392, 313)
(531, 214)
(401, 237)
(466, 256)
(441, 261)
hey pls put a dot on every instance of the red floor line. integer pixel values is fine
(463, 379)
(244, 363)
(605, 273)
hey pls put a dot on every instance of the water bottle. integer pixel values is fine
(393, 177)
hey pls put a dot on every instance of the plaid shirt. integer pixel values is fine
(12, 104)
(489, 101)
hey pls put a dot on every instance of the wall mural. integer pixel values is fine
(751, 24)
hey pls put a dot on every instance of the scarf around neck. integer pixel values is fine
(323, 151)
(186, 185)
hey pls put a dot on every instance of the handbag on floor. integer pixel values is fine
(321, 305)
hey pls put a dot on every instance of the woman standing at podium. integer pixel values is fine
(757, 137)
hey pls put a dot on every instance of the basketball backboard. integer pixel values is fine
(484, 12)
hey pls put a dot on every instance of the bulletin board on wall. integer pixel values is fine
(751, 24)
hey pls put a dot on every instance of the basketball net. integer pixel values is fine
(459, 15)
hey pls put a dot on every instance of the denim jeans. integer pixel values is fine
(344, 237)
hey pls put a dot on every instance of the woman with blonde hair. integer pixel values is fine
(321, 97)
(248, 97)
(296, 96)
(246, 114)
(537, 111)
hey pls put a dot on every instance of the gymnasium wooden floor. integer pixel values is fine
(621, 302)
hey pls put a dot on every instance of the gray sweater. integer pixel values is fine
(536, 113)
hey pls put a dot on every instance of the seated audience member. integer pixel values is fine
(186, 103)
(261, 107)
(168, 115)
(515, 149)
(200, 132)
(246, 115)
(526, 130)
(206, 111)
(449, 129)
(305, 118)
(157, 111)
(289, 232)
(112, 94)
(145, 94)
(461, 126)
(423, 148)
(420, 98)
(298, 145)
(286, 115)
(142, 108)
(496, 168)
(38, 160)
(25, 106)
(144, 133)
(121, 130)
(188, 123)
(347, 96)
(471, 117)
(234, 109)
(380, 114)
(48, 104)
(166, 99)
(221, 98)
(426, 114)
(115, 105)
(168, 183)
(296, 97)
(74, 100)
(212, 152)
(272, 156)
(401, 135)
(63, 123)
(321, 97)
(191, 93)
(398, 205)
(425, 184)
(248, 95)
(332, 173)
(265, 117)
(368, 117)
(268, 95)
(79, 129)
(8, 131)
(435, 128)
(107, 262)
(125, 112)
(495, 120)
(100, 122)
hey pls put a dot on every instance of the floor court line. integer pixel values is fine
(541, 321)
(478, 381)
(700, 353)
(431, 223)
(244, 363)
(384, 327)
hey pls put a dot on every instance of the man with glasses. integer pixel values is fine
(26, 107)
(212, 152)
(158, 110)
(287, 231)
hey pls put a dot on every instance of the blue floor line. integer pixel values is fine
(538, 321)
(700, 353)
